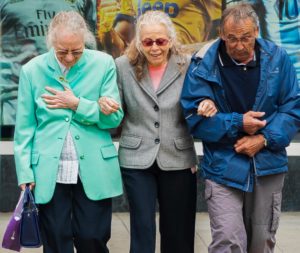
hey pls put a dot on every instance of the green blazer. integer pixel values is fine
(40, 132)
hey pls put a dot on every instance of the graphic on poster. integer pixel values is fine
(23, 27)
(195, 21)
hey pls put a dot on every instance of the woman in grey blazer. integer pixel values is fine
(156, 151)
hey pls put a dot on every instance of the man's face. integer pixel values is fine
(68, 47)
(239, 39)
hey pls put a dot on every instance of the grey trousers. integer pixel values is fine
(241, 221)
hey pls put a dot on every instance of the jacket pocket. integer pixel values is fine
(237, 169)
(276, 210)
(184, 142)
(130, 141)
(272, 83)
(35, 158)
(268, 160)
(109, 151)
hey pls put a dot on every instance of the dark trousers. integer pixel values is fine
(176, 195)
(71, 219)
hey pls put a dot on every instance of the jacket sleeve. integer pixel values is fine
(221, 127)
(120, 82)
(88, 112)
(24, 130)
(286, 122)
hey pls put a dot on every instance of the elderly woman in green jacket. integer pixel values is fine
(62, 144)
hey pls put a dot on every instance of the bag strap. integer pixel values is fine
(28, 200)
(19, 206)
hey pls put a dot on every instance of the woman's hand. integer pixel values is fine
(23, 186)
(207, 108)
(194, 169)
(61, 99)
(108, 105)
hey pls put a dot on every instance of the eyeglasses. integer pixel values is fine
(64, 53)
(159, 42)
(244, 40)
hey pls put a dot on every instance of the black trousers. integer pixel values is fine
(71, 219)
(176, 195)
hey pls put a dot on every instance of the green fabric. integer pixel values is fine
(40, 132)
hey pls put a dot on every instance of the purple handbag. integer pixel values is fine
(11, 238)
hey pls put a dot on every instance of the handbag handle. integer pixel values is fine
(28, 200)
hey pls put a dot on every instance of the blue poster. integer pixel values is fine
(280, 23)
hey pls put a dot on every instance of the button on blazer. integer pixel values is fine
(154, 128)
(40, 132)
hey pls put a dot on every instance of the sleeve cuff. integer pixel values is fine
(238, 120)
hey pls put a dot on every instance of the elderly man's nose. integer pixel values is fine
(239, 45)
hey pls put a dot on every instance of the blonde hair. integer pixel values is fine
(134, 51)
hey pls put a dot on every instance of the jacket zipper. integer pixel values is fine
(254, 166)
(255, 172)
(248, 183)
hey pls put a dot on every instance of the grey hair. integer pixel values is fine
(154, 18)
(71, 21)
(239, 12)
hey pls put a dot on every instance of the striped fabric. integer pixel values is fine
(68, 163)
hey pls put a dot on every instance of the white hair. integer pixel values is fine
(153, 18)
(70, 21)
(239, 12)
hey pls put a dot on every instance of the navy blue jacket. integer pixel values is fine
(278, 95)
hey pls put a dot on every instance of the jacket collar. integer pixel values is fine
(171, 73)
(210, 49)
(226, 61)
(206, 58)
(55, 68)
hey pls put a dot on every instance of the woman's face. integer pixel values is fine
(68, 47)
(155, 44)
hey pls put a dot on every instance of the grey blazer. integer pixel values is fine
(153, 126)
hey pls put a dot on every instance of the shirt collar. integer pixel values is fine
(226, 61)
(64, 70)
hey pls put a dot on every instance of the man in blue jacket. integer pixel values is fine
(253, 84)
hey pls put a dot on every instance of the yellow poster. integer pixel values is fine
(195, 21)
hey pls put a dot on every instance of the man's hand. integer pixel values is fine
(108, 105)
(250, 145)
(61, 99)
(252, 123)
(207, 108)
